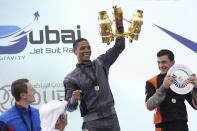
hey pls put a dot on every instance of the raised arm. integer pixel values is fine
(112, 54)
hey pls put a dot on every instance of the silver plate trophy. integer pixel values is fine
(180, 73)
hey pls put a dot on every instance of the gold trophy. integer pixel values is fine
(106, 29)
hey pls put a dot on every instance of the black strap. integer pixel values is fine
(24, 121)
(94, 80)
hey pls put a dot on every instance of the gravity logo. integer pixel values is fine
(13, 39)
(186, 42)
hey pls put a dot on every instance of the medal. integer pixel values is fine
(96, 88)
(173, 100)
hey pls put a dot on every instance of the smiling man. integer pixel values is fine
(21, 116)
(88, 83)
(170, 109)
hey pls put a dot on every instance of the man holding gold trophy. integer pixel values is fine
(88, 82)
(167, 92)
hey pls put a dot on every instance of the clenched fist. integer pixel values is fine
(76, 95)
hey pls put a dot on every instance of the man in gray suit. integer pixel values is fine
(88, 82)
